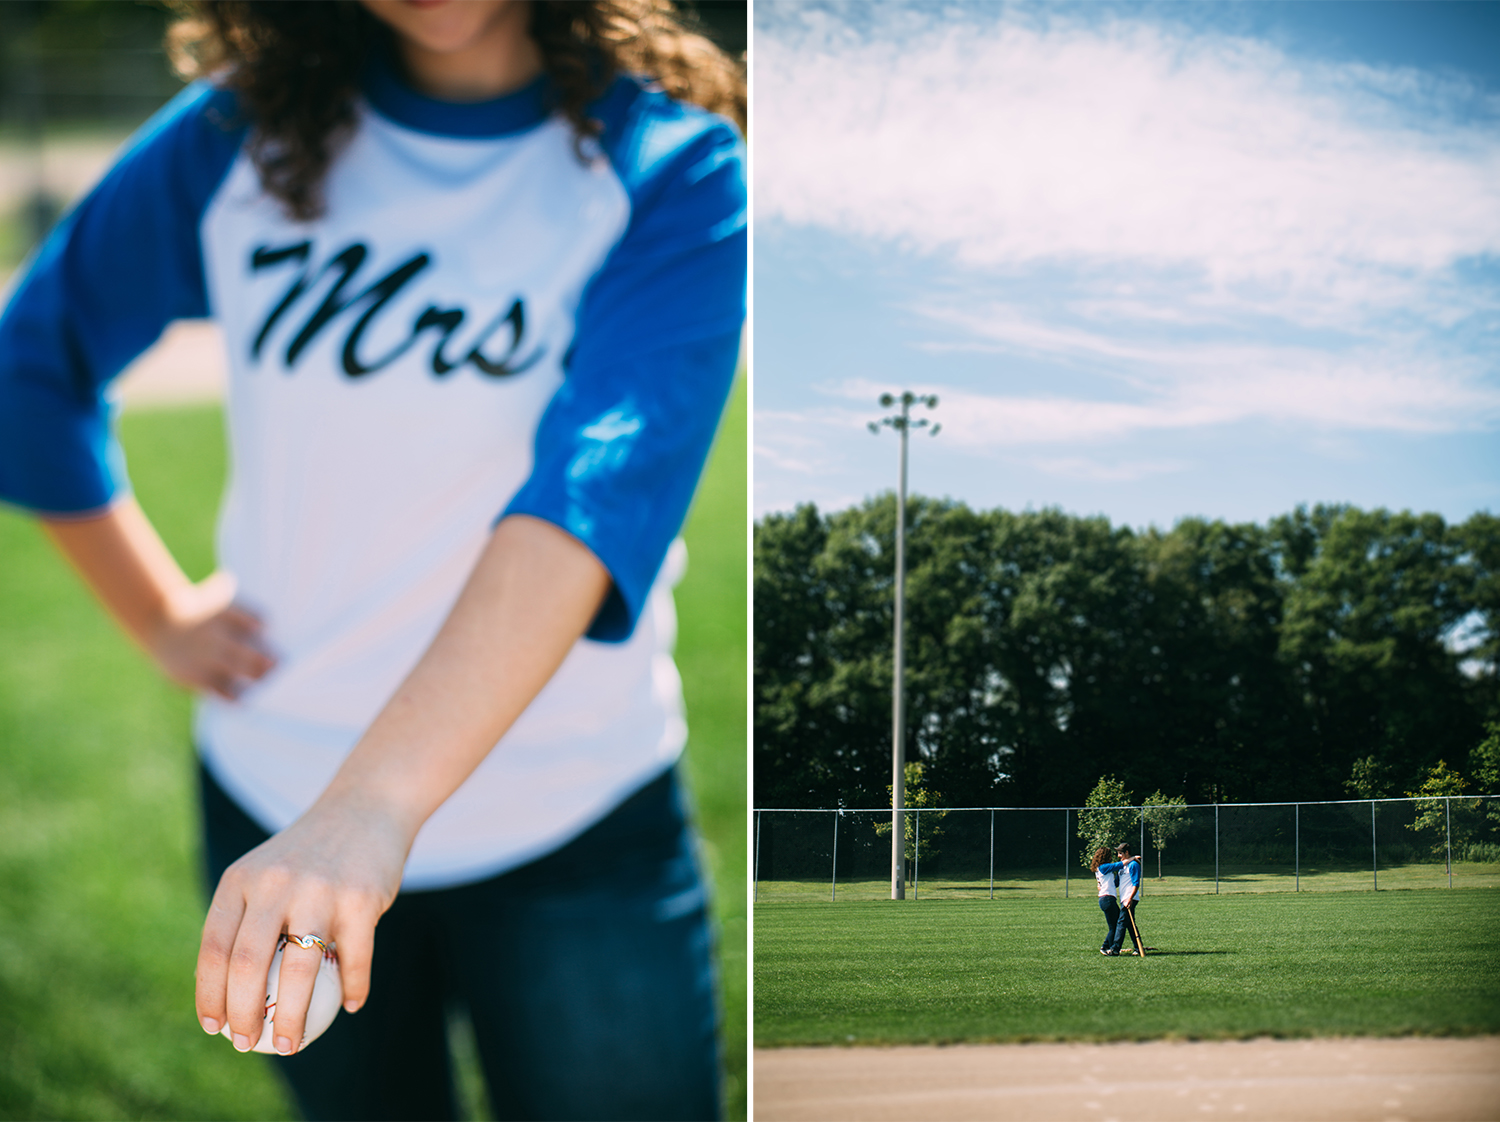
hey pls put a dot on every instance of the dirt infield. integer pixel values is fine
(1338, 1080)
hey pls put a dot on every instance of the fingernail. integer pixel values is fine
(351, 1007)
(241, 1042)
(211, 1026)
(284, 1045)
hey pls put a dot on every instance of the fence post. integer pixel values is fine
(1374, 861)
(992, 855)
(1448, 814)
(833, 892)
(1216, 848)
(1067, 865)
(756, 897)
(1297, 845)
(916, 859)
(1142, 850)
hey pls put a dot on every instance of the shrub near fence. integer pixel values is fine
(991, 853)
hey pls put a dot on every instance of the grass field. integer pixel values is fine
(100, 896)
(1187, 880)
(1378, 963)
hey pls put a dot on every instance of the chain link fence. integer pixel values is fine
(997, 853)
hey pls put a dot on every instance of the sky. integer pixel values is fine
(1155, 260)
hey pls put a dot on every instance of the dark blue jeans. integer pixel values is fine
(1122, 927)
(1111, 909)
(587, 975)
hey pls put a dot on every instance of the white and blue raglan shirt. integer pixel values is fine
(483, 323)
(1108, 882)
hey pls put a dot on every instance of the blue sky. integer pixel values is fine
(1155, 260)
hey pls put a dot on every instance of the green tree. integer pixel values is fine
(1484, 766)
(823, 621)
(1108, 819)
(1369, 779)
(917, 795)
(1219, 708)
(1375, 597)
(1484, 761)
(1479, 542)
(1071, 633)
(1331, 647)
(800, 748)
(1442, 816)
(1166, 818)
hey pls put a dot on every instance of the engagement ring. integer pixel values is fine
(309, 942)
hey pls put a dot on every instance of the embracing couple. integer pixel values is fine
(1119, 891)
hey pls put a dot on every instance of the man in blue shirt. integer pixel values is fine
(1130, 894)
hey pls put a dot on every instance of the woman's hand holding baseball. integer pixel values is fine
(335, 871)
(331, 874)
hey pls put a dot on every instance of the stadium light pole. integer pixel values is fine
(903, 424)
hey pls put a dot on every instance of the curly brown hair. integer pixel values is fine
(296, 67)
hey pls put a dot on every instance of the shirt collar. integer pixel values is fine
(508, 115)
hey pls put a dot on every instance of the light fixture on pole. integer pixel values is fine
(902, 424)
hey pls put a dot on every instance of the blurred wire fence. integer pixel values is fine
(995, 853)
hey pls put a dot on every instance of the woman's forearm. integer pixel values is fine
(335, 870)
(196, 633)
(531, 596)
(123, 560)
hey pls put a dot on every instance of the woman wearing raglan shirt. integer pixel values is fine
(481, 289)
(1108, 881)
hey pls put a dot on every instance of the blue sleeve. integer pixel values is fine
(124, 263)
(1133, 871)
(1112, 868)
(622, 444)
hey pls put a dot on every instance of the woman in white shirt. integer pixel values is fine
(1107, 877)
(480, 268)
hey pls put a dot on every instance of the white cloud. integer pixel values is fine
(797, 442)
(1007, 143)
(798, 459)
(1200, 386)
(1213, 230)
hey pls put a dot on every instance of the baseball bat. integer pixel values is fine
(1140, 945)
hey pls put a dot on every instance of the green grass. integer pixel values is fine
(1185, 881)
(1388, 963)
(100, 896)
(711, 645)
(100, 902)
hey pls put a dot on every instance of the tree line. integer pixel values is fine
(1331, 653)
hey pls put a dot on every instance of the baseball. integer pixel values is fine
(327, 998)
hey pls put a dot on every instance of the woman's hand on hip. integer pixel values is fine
(196, 633)
(205, 641)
